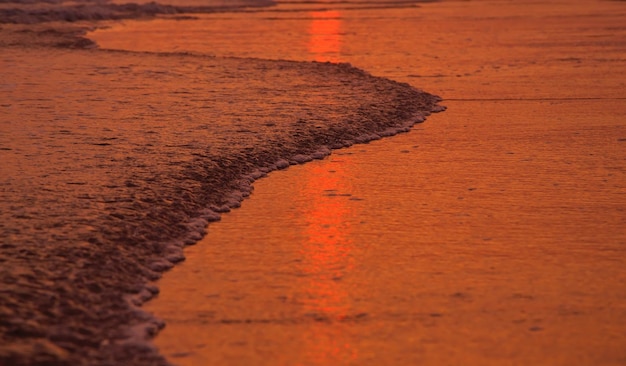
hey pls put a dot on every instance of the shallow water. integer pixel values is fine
(492, 234)
(328, 263)
(415, 44)
(112, 161)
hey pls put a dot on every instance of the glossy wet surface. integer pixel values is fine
(110, 161)
(492, 234)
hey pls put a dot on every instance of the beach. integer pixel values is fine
(113, 161)
(490, 234)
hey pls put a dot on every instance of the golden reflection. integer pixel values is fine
(327, 259)
(325, 36)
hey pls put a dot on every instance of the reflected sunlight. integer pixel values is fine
(327, 258)
(325, 36)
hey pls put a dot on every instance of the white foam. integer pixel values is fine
(281, 164)
(300, 159)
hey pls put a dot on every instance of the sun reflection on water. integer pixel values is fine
(327, 259)
(325, 36)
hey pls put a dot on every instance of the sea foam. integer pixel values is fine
(113, 161)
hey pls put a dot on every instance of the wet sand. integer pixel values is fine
(492, 234)
(112, 161)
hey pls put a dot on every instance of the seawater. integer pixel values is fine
(111, 161)
(493, 234)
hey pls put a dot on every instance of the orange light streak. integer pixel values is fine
(325, 36)
(327, 255)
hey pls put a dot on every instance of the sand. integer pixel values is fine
(492, 234)
(112, 161)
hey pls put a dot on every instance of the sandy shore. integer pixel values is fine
(492, 234)
(112, 161)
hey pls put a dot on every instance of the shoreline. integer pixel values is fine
(433, 142)
(491, 234)
(107, 207)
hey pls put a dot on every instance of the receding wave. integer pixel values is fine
(112, 161)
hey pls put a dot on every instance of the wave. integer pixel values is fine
(113, 161)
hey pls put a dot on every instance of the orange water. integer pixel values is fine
(492, 234)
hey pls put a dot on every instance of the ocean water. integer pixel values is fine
(492, 234)
(112, 161)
